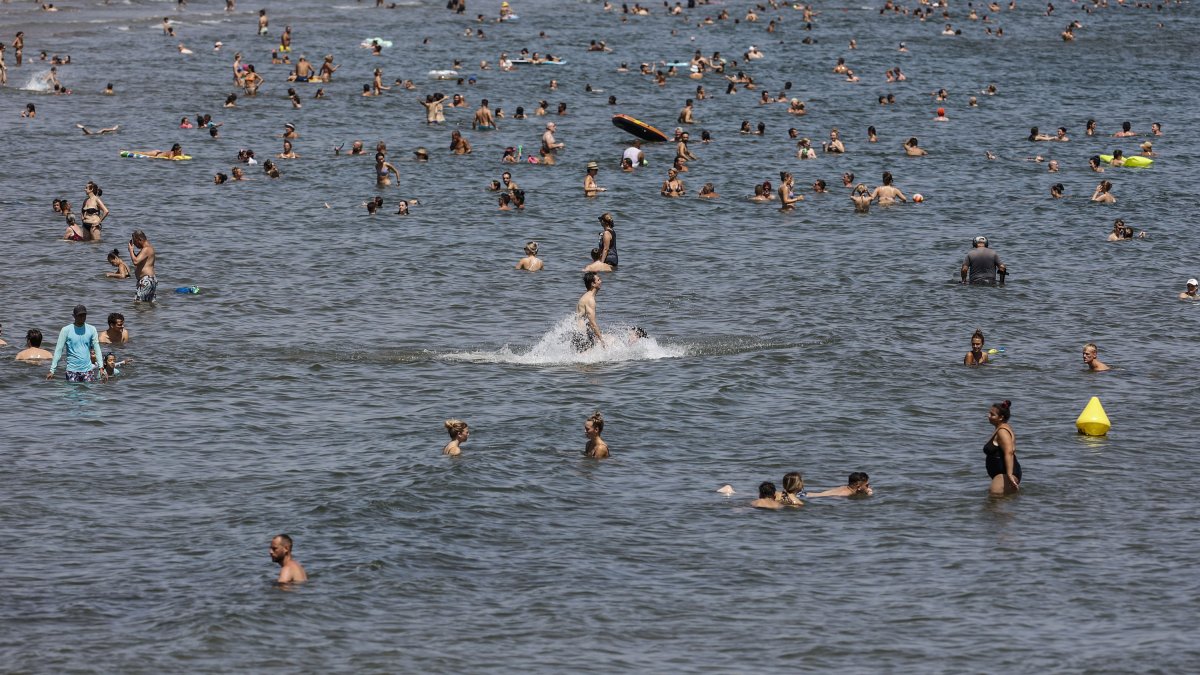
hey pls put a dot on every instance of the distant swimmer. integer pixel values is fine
(976, 356)
(587, 332)
(33, 352)
(530, 262)
(1035, 135)
(106, 130)
(593, 426)
(634, 154)
(787, 199)
(81, 343)
(793, 489)
(887, 193)
(1091, 357)
(290, 570)
(941, 116)
(982, 264)
(672, 187)
(459, 433)
(116, 333)
(383, 171)
(834, 144)
(858, 484)
(1190, 293)
(766, 497)
(1126, 131)
(1001, 452)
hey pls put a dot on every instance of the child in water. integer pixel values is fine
(114, 259)
(112, 367)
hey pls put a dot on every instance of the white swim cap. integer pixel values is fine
(1192, 282)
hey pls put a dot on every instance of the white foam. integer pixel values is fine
(554, 348)
(39, 82)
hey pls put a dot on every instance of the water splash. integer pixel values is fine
(39, 82)
(554, 348)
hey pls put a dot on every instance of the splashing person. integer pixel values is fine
(587, 332)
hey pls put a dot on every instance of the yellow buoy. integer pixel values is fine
(1093, 421)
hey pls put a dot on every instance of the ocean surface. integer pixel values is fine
(303, 389)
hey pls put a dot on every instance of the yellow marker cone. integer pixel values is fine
(1093, 421)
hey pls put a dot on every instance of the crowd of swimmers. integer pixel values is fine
(80, 344)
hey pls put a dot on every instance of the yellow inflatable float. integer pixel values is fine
(1093, 421)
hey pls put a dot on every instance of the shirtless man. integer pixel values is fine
(550, 146)
(1091, 356)
(597, 265)
(766, 497)
(681, 148)
(33, 352)
(290, 571)
(262, 22)
(116, 334)
(859, 483)
(143, 265)
(587, 332)
(685, 115)
(1190, 293)
(590, 189)
(303, 72)
(484, 120)
(887, 193)
(1126, 130)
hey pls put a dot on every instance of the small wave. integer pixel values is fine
(554, 348)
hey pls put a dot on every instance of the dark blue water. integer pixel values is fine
(304, 389)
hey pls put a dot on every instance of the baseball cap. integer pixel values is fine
(980, 240)
(79, 310)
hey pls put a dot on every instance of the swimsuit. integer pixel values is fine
(146, 288)
(611, 258)
(583, 340)
(995, 460)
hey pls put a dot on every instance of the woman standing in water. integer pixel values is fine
(459, 432)
(596, 448)
(382, 169)
(608, 240)
(1001, 452)
(94, 211)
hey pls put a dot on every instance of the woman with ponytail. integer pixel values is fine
(1001, 452)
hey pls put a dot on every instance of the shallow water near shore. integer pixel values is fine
(303, 389)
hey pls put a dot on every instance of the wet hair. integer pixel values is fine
(518, 197)
(589, 280)
(114, 254)
(704, 135)
(793, 482)
(287, 541)
(887, 178)
(34, 336)
(597, 419)
(1117, 154)
(871, 130)
(858, 477)
(820, 184)
(1057, 188)
(766, 490)
(977, 334)
(1094, 160)
(1125, 126)
(1033, 132)
(912, 142)
(221, 178)
(595, 254)
(531, 248)
(455, 427)
(115, 317)
(1003, 409)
